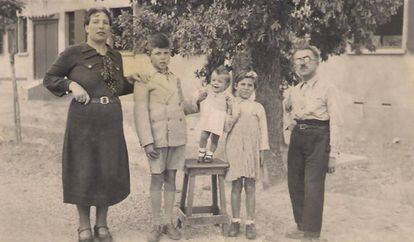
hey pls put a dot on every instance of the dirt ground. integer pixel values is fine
(368, 200)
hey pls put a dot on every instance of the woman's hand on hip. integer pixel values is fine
(79, 93)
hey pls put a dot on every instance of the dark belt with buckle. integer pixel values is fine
(312, 123)
(105, 100)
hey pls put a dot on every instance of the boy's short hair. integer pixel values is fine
(158, 40)
(92, 11)
(221, 70)
(246, 75)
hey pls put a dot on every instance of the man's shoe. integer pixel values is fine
(172, 232)
(155, 234)
(313, 239)
(251, 231)
(234, 229)
(295, 234)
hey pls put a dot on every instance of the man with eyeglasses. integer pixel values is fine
(314, 110)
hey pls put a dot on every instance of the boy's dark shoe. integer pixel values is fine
(155, 234)
(172, 232)
(251, 231)
(234, 229)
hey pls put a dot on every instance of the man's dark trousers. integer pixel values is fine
(308, 158)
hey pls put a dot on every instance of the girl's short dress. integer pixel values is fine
(247, 136)
(213, 112)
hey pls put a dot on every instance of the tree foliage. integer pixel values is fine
(8, 13)
(219, 29)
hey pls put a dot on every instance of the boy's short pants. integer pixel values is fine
(170, 158)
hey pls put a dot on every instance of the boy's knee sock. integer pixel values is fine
(156, 206)
(169, 198)
(201, 152)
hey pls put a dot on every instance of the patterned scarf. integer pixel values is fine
(108, 74)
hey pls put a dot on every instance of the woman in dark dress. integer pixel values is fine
(95, 160)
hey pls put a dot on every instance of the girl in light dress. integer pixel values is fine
(213, 112)
(245, 145)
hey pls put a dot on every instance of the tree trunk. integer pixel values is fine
(267, 65)
(16, 105)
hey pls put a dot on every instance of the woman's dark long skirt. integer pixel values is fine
(95, 168)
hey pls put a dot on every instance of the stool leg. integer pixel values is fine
(223, 210)
(214, 194)
(184, 193)
(189, 210)
(222, 196)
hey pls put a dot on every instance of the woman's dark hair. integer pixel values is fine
(158, 40)
(92, 11)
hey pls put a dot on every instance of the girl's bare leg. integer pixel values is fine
(250, 189)
(236, 190)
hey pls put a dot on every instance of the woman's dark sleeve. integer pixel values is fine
(128, 87)
(55, 79)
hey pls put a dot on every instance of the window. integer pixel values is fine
(22, 34)
(390, 35)
(11, 40)
(116, 29)
(70, 28)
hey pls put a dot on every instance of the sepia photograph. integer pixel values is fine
(206, 120)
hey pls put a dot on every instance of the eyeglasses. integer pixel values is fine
(303, 60)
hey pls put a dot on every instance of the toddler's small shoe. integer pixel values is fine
(208, 158)
(201, 155)
(234, 229)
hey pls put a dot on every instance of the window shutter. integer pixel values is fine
(80, 34)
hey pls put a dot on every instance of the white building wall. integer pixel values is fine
(377, 81)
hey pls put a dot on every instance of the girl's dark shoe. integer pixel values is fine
(87, 239)
(102, 237)
(251, 231)
(234, 229)
(172, 232)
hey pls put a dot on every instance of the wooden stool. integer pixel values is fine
(211, 214)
